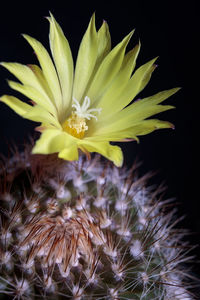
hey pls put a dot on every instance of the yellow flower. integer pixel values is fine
(87, 108)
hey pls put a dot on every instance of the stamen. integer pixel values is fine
(76, 123)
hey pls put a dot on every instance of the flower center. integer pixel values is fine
(76, 124)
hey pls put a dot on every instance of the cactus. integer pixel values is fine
(87, 230)
(76, 227)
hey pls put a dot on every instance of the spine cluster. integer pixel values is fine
(87, 230)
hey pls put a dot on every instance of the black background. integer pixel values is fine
(168, 29)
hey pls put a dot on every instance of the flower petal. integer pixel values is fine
(103, 48)
(33, 94)
(48, 70)
(52, 141)
(63, 60)
(69, 153)
(113, 153)
(104, 44)
(31, 75)
(135, 112)
(157, 98)
(38, 114)
(131, 57)
(140, 128)
(34, 113)
(108, 70)
(148, 126)
(130, 116)
(144, 108)
(17, 105)
(22, 72)
(142, 76)
(43, 85)
(86, 60)
(115, 89)
(135, 85)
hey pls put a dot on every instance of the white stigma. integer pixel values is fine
(83, 111)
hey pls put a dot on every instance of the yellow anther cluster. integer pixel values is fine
(75, 125)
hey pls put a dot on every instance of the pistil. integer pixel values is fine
(76, 124)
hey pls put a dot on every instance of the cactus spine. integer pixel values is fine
(86, 230)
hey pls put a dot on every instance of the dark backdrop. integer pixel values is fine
(169, 29)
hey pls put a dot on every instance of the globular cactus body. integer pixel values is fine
(86, 230)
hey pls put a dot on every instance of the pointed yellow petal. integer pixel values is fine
(69, 153)
(148, 126)
(130, 116)
(103, 48)
(113, 136)
(31, 75)
(63, 60)
(144, 108)
(38, 114)
(157, 98)
(104, 43)
(140, 128)
(23, 73)
(113, 153)
(145, 127)
(52, 141)
(33, 94)
(131, 57)
(17, 105)
(108, 70)
(137, 82)
(115, 89)
(43, 85)
(48, 70)
(142, 76)
(86, 60)
(33, 113)
(133, 113)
